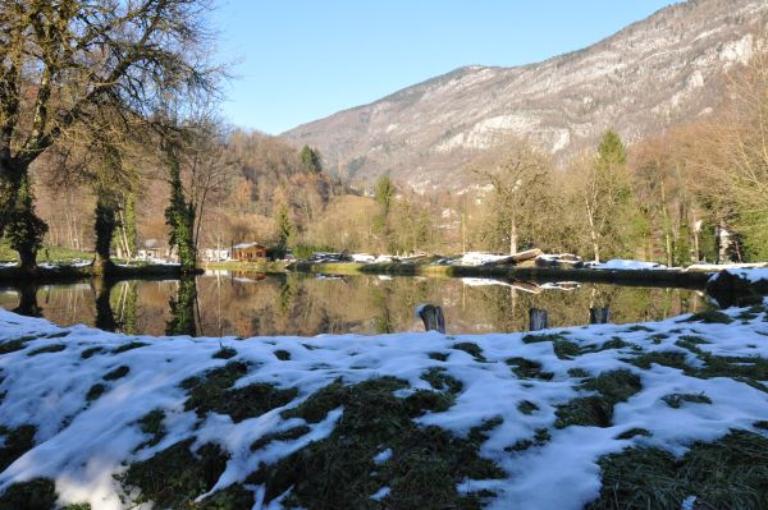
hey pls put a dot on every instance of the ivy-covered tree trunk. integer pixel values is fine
(180, 217)
(105, 226)
(129, 223)
(23, 228)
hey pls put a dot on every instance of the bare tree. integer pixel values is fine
(63, 62)
(519, 179)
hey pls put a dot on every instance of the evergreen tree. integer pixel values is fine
(384, 194)
(285, 228)
(614, 222)
(310, 160)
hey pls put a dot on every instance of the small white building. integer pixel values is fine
(217, 254)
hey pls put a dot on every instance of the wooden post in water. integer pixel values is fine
(538, 319)
(599, 315)
(432, 316)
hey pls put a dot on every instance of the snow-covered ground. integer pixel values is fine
(85, 436)
(626, 265)
(479, 259)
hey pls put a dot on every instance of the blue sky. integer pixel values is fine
(300, 60)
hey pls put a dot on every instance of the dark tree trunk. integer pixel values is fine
(105, 225)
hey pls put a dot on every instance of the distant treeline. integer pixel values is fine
(127, 152)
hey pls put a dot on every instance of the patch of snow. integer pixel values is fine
(381, 494)
(477, 258)
(626, 265)
(382, 456)
(752, 275)
(363, 258)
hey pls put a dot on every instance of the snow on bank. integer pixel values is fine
(626, 265)
(752, 275)
(479, 259)
(80, 444)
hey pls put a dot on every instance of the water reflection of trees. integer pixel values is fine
(296, 304)
(183, 308)
(28, 304)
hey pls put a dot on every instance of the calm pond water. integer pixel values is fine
(223, 303)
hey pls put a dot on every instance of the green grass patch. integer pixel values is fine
(152, 425)
(472, 349)
(95, 391)
(438, 356)
(174, 477)
(578, 372)
(36, 494)
(129, 347)
(658, 338)
(16, 442)
(540, 438)
(10, 346)
(672, 359)
(47, 349)
(727, 474)
(616, 386)
(213, 392)
(597, 410)
(527, 407)
(710, 317)
(339, 472)
(639, 327)
(117, 373)
(91, 352)
(635, 432)
(614, 343)
(225, 353)
(676, 400)
(528, 369)
(282, 355)
(286, 435)
(565, 349)
(535, 338)
(441, 381)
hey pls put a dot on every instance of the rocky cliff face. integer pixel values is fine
(654, 73)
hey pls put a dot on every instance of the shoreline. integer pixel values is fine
(696, 280)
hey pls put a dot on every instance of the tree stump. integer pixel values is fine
(538, 319)
(432, 316)
(599, 315)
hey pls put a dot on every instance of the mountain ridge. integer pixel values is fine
(648, 76)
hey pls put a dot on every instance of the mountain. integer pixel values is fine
(663, 70)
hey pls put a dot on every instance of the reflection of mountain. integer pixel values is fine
(298, 305)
